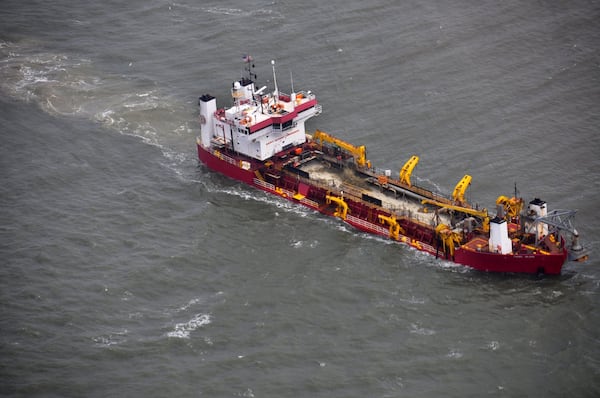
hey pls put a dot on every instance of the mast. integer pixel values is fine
(293, 94)
(276, 93)
(249, 67)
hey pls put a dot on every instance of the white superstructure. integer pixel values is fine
(257, 125)
(499, 241)
(537, 208)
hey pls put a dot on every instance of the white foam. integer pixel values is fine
(455, 353)
(298, 244)
(189, 304)
(183, 330)
(493, 345)
(259, 196)
(111, 339)
(224, 11)
(416, 329)
(413, 300)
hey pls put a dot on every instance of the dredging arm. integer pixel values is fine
(482, 214)
(359, 153)
(560, 220)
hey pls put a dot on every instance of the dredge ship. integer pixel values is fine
(261, 140)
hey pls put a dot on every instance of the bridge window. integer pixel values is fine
(284, 126)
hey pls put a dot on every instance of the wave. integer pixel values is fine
(264, 13)
(72, 86)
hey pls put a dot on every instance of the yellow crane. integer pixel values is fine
(482, 214)
(512, 206)
(359, 153)
(459, 190)
(407, 170)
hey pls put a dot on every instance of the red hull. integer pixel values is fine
(229, 168)
(550, 264)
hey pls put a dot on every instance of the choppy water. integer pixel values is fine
(130, 270)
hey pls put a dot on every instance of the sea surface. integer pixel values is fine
(128, 269)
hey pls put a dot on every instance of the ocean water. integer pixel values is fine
(129, 269)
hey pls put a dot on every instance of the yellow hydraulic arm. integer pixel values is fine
(407, 170)
(459, 190)
(512, 206)
(482, 214)
(395, 227)
(359, 153)
(449, 238)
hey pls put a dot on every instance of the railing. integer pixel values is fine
(366, 224)
(224, 157)
(264, 184)
(309, 202)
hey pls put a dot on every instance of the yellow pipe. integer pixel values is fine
(342, 209)
(395, 227)
(449, 238)
(477, 213)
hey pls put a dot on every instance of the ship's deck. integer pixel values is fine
(348, 182)
(477, 245)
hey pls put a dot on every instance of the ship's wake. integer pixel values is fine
(71, 86)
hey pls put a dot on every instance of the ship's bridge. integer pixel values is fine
(257, 125)
(278, 111)
(267, 124)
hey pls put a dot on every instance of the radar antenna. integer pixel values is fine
(249, 67)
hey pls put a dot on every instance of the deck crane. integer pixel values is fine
(359, 153)
(407, 169)
(458, 195)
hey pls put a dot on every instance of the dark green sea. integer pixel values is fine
(127, 269)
